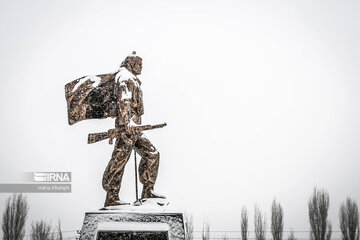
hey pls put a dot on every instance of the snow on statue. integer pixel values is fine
(117, 95)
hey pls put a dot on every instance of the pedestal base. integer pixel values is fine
(134, 225)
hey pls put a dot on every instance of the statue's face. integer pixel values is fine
(137, 67)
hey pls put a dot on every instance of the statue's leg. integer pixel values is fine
(148, 167)
(114, 171)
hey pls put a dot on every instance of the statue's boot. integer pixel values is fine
(112, 199)
(148, 192)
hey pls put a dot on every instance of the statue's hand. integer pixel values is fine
(127, 140)
(130, 130)
(127, 133)
(113, 133)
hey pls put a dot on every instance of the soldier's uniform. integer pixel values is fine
(116, 95)
(129, 111)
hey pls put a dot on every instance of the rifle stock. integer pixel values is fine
(96, 137)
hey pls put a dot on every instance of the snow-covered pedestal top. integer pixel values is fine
(156, 205)
(149, 219)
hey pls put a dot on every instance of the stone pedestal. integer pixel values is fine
(133, 223)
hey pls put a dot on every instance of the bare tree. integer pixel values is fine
(329, 231)
(320, 227)
(349, 220)
(224, 237)
(277, 220)
(260, 224)
(40, 230)
(206, 231)
(244, 224)
(59, 235)
(14, 217)
(189, 227)
(291, 235)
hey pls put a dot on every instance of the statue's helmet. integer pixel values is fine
(133, 63)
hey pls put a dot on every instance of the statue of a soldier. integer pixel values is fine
(117, 95)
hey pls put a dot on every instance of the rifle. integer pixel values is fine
(96, 137)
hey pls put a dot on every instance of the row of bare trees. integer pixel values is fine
(16, 210)
(320, 226)
(277, 222)
(14, 220)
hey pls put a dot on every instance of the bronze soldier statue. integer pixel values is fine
(117, 95)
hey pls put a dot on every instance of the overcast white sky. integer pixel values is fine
(261, 100)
